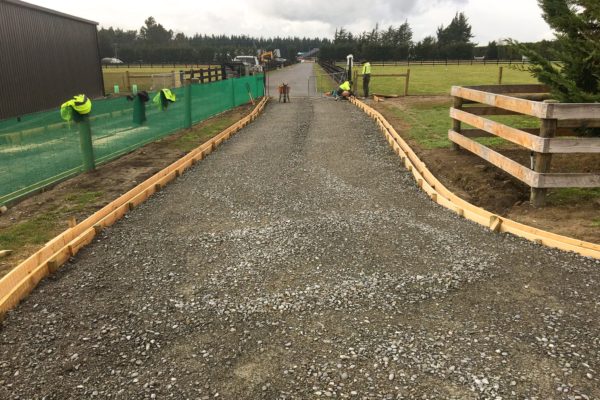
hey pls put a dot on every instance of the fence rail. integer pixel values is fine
(406, 63)
(123, 81)
(556, 121)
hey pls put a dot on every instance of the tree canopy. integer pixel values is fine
(395, 43)
(575, 76)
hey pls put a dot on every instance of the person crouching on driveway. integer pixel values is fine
(345, 90)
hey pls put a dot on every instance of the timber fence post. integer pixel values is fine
(542, 162)
(456, 126)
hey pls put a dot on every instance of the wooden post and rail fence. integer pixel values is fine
(405, 75)
(556, 135)
(174, 79)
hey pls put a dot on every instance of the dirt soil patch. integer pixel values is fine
(570, 212)
(28, 225)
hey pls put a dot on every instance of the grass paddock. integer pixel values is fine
(436, 80)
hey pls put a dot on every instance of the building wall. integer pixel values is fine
(45, 59)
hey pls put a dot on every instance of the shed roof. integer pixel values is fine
(47, 11)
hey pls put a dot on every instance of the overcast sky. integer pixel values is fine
(491, 19)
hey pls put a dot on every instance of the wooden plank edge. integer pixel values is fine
(482, 216)
(25, 277)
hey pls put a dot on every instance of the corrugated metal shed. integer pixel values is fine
(46, 57)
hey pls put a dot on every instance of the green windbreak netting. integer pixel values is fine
(39, 149)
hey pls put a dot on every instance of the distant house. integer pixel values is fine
(46, 57)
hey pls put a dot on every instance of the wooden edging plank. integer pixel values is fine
(19, 282)
(463, 208)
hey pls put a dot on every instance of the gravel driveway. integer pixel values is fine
(300, 261)
(299, 78)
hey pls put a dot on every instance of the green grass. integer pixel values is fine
(572, 195)
(434, 80)
(80, 200)
(36, 231)
(43, 227)
(323, 80)
(429, 122)
(192, 139)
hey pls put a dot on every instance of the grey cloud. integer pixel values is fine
(348, 11)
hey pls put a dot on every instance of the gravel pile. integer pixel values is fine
(300, 261)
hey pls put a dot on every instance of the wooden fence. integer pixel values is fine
(173, 79)
(204, 75)
(407, 63)
(406, 77)
(556, 134)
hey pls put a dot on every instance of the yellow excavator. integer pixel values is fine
(265, 57)
(270, 57)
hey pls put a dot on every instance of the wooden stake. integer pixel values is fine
(495, 223)
(72, 222)
(52, 266)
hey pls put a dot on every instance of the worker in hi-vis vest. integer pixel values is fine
(345, 90)
(366, 73)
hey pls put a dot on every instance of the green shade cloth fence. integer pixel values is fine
(40, 149)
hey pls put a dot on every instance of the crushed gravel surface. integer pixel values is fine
(300, 261)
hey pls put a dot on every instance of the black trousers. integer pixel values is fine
(366, 80)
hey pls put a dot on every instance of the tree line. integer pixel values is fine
(396, 43)
(153, 43)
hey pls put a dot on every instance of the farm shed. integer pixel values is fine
(46, 57)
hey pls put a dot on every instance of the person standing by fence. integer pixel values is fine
(366, 73)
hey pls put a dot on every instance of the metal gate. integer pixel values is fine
(319, 84)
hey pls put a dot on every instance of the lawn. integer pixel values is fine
(434, 80)
(428, 122)
(323, 80)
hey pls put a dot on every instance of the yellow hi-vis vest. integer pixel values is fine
(170, 96)
(345, 86)
(366, 70)
(79, 103)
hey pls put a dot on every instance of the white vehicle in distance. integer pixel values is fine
(252, 63)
